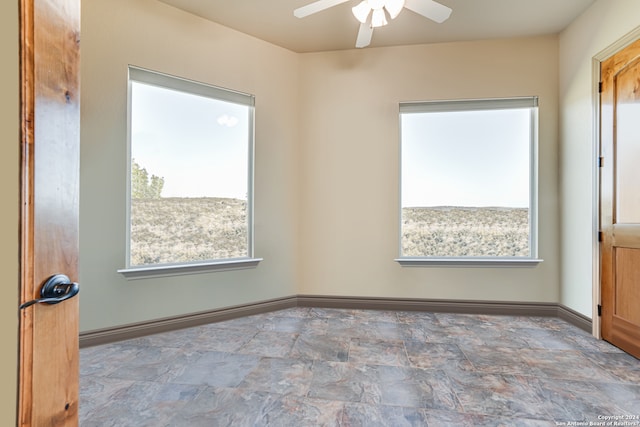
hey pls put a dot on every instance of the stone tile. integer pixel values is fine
(509, 322)
(105, 359)
(240, 407)
(413, 387)
(344, 382)
(622, 366)
(499, 360)
(297, 411)
(343, 328)
(270, 344)
(281, 376)
(554, 323)
(303, 312)
(375, 316)
(142, 404)
(587, 342)
(457, 419)
(387, 385)
(567, 401)
(332, 313)
(149, 363)
(359, 414)
(415, 333)
(321, 347)
(418, 317)
(449, 335)
(470, 336)
(626, 397)
(377, 352)
(509, 396)
(316, 326)
(418, 326)
(547, 339)
(217, 369)
(332, 367)
(227, 407)
(436, 356)
(225, 340)
(175, 339)
(124, 416)
(468, 320)
(378, 330)
(96, 391)
(287, 324)
(565, 365)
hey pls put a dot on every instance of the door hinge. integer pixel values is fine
(599, 87)
(600, 162)
(599, 310)
(599, 236)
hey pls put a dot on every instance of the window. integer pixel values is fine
(190, 182)
(468, 180)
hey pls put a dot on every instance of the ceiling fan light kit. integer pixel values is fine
(361, 11)
(394, 7)
(378, 18)
(378, 10)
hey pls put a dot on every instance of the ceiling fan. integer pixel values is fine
(373, 13)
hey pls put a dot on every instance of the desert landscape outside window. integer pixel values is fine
(190, 183)
(468, 179)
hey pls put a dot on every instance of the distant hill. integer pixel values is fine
(465, 231)
(172, 230)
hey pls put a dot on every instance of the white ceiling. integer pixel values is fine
(336, 28)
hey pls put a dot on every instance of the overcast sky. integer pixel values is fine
(197, 144)
(473, 159)
(200, 147)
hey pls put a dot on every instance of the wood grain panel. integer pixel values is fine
(627, 291)
(623, 334)
(50, 116)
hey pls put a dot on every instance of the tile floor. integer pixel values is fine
(328, 367)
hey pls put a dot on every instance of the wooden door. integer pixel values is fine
(50, 124)
(620, 198)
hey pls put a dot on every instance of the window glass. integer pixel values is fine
(468, 178)
(190, 182)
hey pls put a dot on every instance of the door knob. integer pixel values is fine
(56, 289)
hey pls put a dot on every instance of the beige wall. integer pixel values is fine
(326, 161)
(9, 161)
(349, 164)
(598, 28)
(152, 35)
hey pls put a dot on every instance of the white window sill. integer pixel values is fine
(149, 271)
(467, 262)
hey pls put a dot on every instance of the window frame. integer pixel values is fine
(166, 81)
(460, 105)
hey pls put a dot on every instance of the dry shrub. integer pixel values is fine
(464, 231)
(174, 230)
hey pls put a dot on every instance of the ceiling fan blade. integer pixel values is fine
(364, 35)
(429, 9)
(315, 7)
